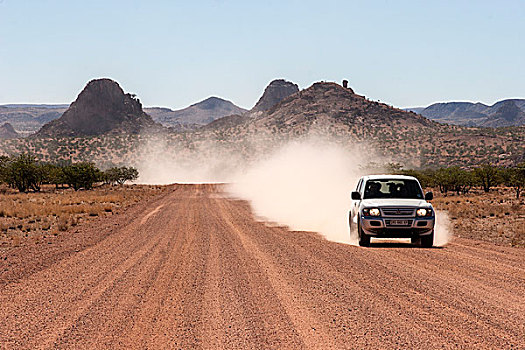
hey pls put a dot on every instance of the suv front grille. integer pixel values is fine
(398, 211)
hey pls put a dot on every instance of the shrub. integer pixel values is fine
(515, 178)
(120, 175)
(24, 173)
(82, 175)
(488, 176)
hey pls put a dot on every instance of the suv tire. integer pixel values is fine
(427, 241)
(364, 239)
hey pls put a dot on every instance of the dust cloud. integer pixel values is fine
(443, 229)
(163, 163)
(305, 185)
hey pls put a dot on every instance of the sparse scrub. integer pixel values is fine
(28, 217)
(496, 216)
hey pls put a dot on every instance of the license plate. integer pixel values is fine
(399, 222)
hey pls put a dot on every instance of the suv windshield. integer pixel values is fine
(392, 188)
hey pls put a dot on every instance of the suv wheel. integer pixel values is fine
(364, 239)
(428, 240)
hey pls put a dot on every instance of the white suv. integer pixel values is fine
(391, 206)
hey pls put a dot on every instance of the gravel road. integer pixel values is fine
(193, 269)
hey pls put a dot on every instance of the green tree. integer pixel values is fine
(515, 178)
(4, 165)
(128, 174)
(460, 180)
(54, 174)
(443, 180)
(82, 175)
(487, 176)
(24, 173)
(111, 175)
(119, 175)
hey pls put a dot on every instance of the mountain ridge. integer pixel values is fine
(196, 114)
(472, 113)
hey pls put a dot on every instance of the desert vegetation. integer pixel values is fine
(38, 217)
(42, 199)
(25, 173)
(462, 180)
(495, 216)
(484, 202)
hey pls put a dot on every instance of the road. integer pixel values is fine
(193, 269)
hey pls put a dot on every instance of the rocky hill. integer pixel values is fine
(330, 102)
(198, 114)
(102, 107)
(8, 132)
(502, 113)
(331, 110)
(274, 93)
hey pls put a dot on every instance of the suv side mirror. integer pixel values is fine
(356, 196)
(429, 196)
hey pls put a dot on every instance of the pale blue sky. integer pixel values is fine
(174, 53)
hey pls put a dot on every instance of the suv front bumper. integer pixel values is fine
(398, 227)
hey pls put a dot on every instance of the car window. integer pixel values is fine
(358, 187)
(393, 188)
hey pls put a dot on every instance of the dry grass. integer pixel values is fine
(496, 216)
(29, 217)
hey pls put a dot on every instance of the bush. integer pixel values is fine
(454, 179)
(54, 174)
(4, 163)
(23, 173)
(82, 175)
(515, 178)
(120, 175)
(488, 176)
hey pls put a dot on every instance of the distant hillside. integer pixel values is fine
(8, 132)
(198, 114)
(27, 119)
(102, 107)
(508, 113)
(502, 113)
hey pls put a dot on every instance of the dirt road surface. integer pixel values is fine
(193, 269)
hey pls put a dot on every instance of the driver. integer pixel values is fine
(375, 190)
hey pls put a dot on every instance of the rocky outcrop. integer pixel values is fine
(274, 93)
(8, 132)
(101, 108)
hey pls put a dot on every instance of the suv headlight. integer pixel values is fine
(371, 212)
(424, 212)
